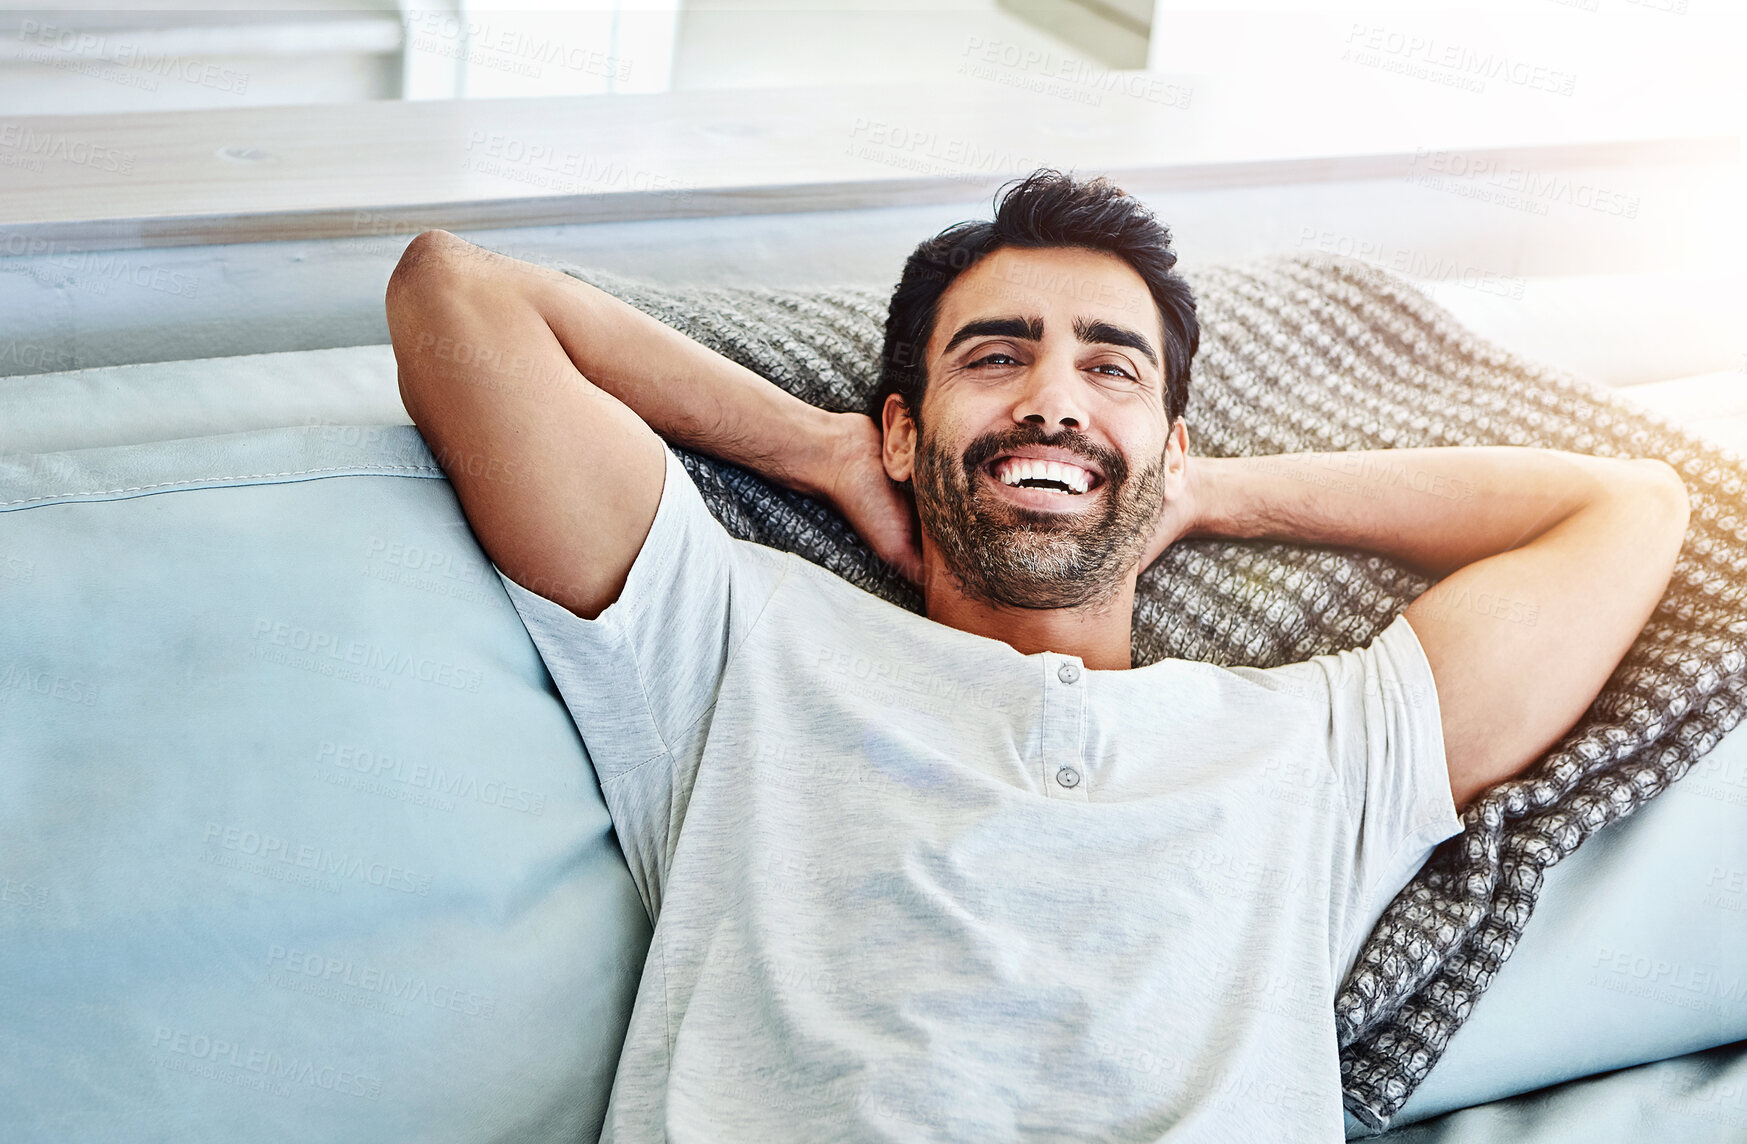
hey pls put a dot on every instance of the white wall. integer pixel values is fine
(79, 309)
(125, 55)
(1392, 75)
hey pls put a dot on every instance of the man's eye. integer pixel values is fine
(988, 359)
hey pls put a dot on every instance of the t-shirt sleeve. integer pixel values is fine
(1386, 743)
(641, 678)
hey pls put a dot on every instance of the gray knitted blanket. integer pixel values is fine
(1320, 353)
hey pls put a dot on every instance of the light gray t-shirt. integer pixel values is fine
(910, 884)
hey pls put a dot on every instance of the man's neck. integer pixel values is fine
(1098, 634)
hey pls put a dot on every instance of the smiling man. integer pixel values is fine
(1042, 524)
(972, 875)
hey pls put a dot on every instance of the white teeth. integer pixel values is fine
(1015, 470)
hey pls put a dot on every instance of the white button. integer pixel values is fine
(1067, 673)
(1068, 777)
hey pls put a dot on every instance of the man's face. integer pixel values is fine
(1052, 354)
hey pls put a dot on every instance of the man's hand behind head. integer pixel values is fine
(1180, 512)
(854, 480)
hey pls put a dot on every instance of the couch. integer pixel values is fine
(298, 841)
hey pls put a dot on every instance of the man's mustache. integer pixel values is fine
(991, 445)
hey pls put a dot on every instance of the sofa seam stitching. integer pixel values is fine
(361, 471)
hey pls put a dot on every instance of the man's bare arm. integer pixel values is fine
(508, 358)
(1551, 564)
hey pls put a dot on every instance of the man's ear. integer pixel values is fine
(899, 450)
(1176, 457)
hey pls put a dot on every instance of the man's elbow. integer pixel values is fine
(1651, 510)
(1666, 491)
(430, 255)
(418, 290)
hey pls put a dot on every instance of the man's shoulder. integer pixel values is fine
(1393, 653)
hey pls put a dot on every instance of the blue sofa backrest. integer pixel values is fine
(297, 839)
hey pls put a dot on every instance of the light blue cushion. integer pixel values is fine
(161, 401)
(1637, 951)
(297, 840)
(1697, 1098)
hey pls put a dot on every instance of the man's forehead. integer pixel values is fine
(1052, 278)
(1049, 297)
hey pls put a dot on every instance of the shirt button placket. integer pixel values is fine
(1064, 729)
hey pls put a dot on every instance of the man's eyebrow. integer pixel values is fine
(1031, 329)
(1026, 329)
(1106, 334)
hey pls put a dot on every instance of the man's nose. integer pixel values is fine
(1052, 395)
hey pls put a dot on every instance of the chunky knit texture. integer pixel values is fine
(1329, 353)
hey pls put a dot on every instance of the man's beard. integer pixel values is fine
(1018, 557)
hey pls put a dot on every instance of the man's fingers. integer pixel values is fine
(900, 552)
